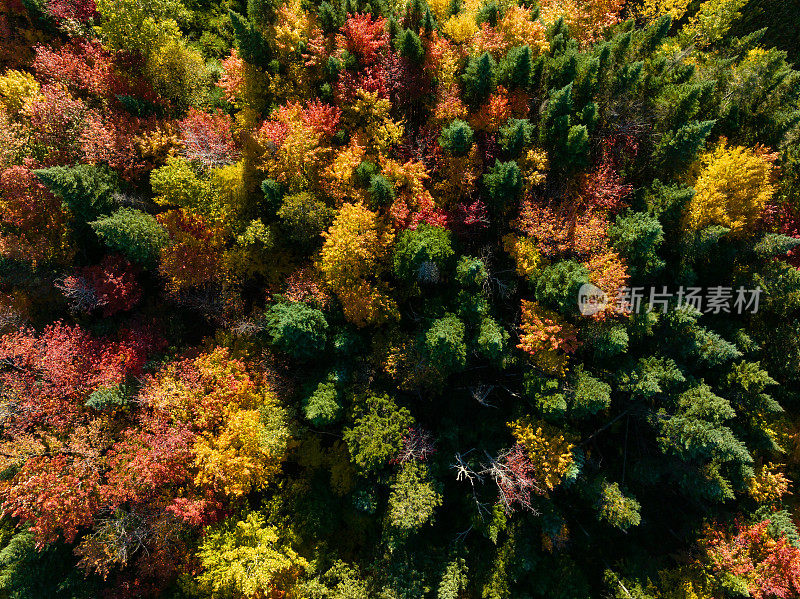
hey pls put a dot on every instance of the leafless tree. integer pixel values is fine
(417, 445)
(513, 473)
(480, 393)
(80, 295)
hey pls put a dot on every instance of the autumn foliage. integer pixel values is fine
(446, 299)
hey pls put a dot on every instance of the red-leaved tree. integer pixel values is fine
(769, 566)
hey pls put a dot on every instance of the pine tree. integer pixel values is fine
(479, 79)
(697, 433)
(515, 136)
(488, 13)
(330, 19)
(428, 24)
(136, 234)
(637, 237)
(410, 46)
(503, 184)
(678, 148)
(492, 340)
(86, 190)
(456, 138)
(569, 143)
(273, 195)
(381, 191)
(252, 46)
(514, 71)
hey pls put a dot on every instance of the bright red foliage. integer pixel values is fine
(320, 117)
(196, 512)
(55, 494)
(148, 459)
(113, 140)
(305, 285)
(114, 279)
(49, 376)
(111, 285)
(429, 213)
(564, 229)
(407, 212)
(371, 78)
(407, 82)
(785, 219)
(33, 213)
(603, 188)
(771, 567)
(232, 80)
(364, 37)
(513, 472)
(58, 444)
(274, 132)
(83, 66)
(471, 217)
(73, 10)
(494, 113)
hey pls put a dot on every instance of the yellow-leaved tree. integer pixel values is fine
(355, 253)
(16, 88)
(653, 9)
(245, 454)
(732, 186)
(549, 449)
(711, 22)
(240, 428)
(245, 558)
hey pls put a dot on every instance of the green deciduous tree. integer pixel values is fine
(304, 218)
(444, 344)
(558, 284)
(376, 433)
(245, 558)
(413, 497)
(423, 254)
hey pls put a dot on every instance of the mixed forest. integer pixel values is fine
(289, 299)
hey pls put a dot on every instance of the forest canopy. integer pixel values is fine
(399, 299)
